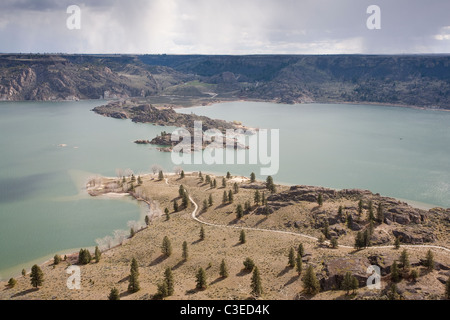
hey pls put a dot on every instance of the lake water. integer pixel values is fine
(397, 152)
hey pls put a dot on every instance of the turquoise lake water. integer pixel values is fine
(398, 152)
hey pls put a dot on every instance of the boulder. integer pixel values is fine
(418, 236)
(337, 268)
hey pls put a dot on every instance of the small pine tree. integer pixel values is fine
(371, 213)
(366, 237)
(133, 284)
(208, 179)
(132, 233)
(139, 180)
(360, 207)
(349, 221)
(97, 254)
(239, 211)
(202, 233)
(166, 247)
(404, 260)
(161, 175)
(230, 196)
(12, 283)
(395, 276)
(56, 259)
(228, 175)
(359, 241)
(162, 290)
(380, 213)
(252, 177)
(37, 276)
(256, 285)
(301, 250)
(249, 264)
(182, 174)
(397, 243)
(166, 212)
(393, 292)
(310, 283)
(355, 284)
(215, 183)
(210, 200)
(201, 279)
(223, 269)
(347, 283)
(175, 206)
(224, 183)
(114, 294)
(235, 188)
(242, 237)
(291, 260)
(299, 264)
(200, 174)
(326, 229)
(257, 197)
(429, 261)
(185, 254)
(247, 206)
(205, 205)
(24, 272)
(414, 275)
(270, 185)
(225, 197)
(263, 199)
(334, 243)
(147, 220)
(320, 200)
(181, 191)
(321, 239)
(168, 279)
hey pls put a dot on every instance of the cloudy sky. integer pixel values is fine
(225, 26)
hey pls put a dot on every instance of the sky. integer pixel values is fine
(225, 27)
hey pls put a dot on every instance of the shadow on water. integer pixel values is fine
(16, 189)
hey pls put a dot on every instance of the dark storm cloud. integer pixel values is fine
(231, 26)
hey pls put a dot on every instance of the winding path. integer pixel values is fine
(194, 216)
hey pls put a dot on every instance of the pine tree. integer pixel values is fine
(347, 283)
(380, 213)
(182, 174)
(249, 264)
(429, 261)
(366, 236)
(247, 206)
(162, 290)
(161, 175)
(210, 200)
(56, 259)
(223, 269)
(225, 197)
(84, 256)
(228, 175)
(205, 205)
(270, 185)
(242, 238)
(299, 264)
(257, 197)
(224, 183)
(291, 260)
(397, 243)
(200, 174)
(24, 272)
(310, 283)
(132, 232)
(395, 276)
(166, 212)
(414, 274)
(252, 177)
(175, 206)
(215, 183)
(12, 283)
(256, 283)
(239, 211)
(181, 191)
(37, 276)
(349, 221)
(133, 284)
(201, 279)
(133, 178)
(340, 212)
(393, 292)
(134, 266)
(97, 254)
(326, 229)
(404, 260)
(263, 199)
(139, 180)
(236, 188)
(371, 213)
(202, 233)
(114, 294)
(301, 250)
(359, 241)
(166, 248)
(168, 279)
(321, 239)
(147, 220)
(334, 243)
(355, 284)
(185, 251)
(320, 200)
(360, 207)
(230, 196)
(208, 179)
